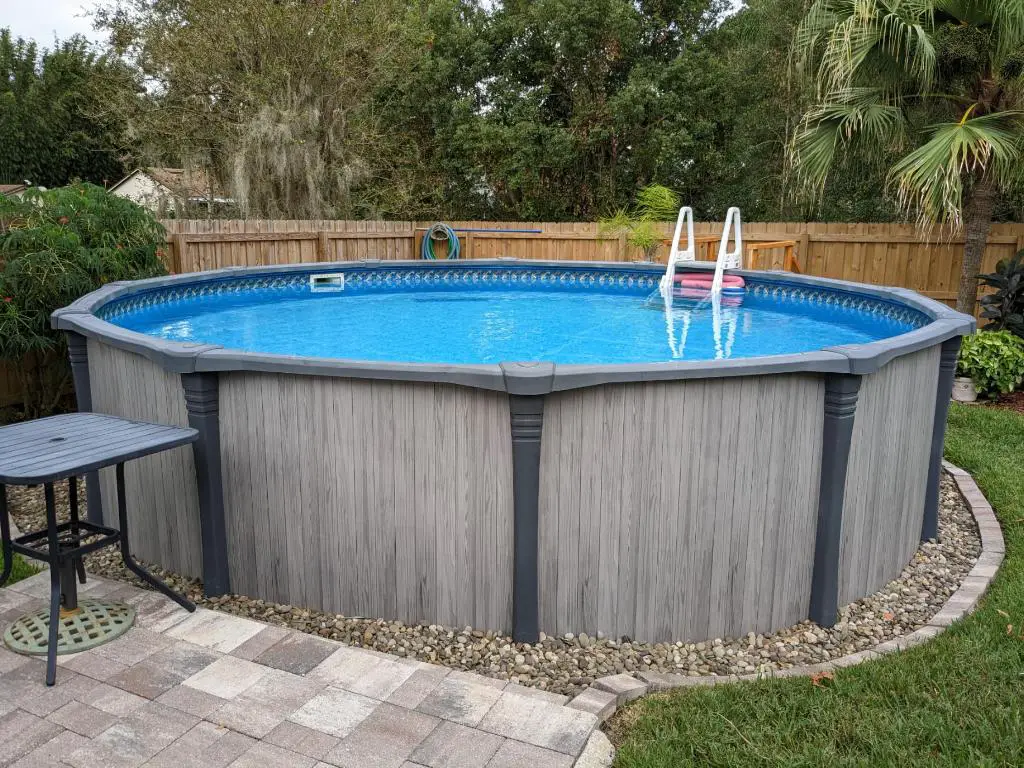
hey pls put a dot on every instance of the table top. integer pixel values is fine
(57, 447)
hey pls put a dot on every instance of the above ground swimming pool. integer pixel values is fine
(527, 446)
(495, 316)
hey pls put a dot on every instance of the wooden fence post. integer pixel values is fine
(468, 254)
(323, 250)
(179, 249)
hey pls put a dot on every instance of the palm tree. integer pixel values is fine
(939, 84)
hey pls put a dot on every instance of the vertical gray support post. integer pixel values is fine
(527, 384)
(78, 354)
(841, 391)
(203, 405)
(943, 393)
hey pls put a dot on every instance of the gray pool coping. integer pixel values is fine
(608, 693)
(527, 378)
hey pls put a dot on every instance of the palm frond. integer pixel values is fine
(931, 179)
(840, 36)
(857, 115)
(656, 203)
(1008, 18)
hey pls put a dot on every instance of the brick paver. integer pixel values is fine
(211, 690)
(297, 653)
(451, 745)
(460, 700)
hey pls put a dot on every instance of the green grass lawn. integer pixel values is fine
(956, 701)
(21, 570)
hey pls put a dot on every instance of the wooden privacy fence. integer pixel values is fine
(884, 254)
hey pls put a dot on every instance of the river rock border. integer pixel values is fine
(608, 693)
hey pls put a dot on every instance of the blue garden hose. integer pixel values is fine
(440, 230)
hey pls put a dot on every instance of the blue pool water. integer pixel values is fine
(488, 325)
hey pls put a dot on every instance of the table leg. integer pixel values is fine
(73, 505)
(142, 573)
(5, 535)
(53, 555)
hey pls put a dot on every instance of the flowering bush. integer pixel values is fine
(55, 246)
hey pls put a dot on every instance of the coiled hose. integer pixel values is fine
(439, 232)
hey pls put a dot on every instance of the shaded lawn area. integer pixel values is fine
(21, 570)
(955, 701)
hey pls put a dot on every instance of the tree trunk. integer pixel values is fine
(977, 223)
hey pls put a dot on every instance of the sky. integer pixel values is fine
(41, 19)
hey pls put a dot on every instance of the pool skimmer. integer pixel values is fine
(332, 281)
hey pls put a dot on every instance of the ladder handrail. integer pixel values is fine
(728, 259)
(675, 255)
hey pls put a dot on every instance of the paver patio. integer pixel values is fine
(209, 689)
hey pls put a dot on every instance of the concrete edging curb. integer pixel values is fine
(608, 693)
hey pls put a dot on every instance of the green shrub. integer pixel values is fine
(1004, 307)
(643, 228)
(994, 360)
(55, 246)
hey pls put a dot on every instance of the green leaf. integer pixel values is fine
(931, 178)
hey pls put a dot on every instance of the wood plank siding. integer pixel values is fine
(680, 510)
(163, 505)
(369, 498)
(887, 476)
(675, 510)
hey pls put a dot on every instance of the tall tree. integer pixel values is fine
(276, 97)
(432, 109)
(941, 83)
(55, 124)
(581, 108)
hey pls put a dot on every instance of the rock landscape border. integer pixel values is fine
(608, 693)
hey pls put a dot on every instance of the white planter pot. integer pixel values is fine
(964, 390)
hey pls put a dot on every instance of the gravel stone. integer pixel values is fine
(569, 663)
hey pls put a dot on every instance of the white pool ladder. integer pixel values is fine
(727, 259)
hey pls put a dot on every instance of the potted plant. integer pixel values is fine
(990, 363)
(964, 390)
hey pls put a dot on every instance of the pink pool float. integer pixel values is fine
(700, 282)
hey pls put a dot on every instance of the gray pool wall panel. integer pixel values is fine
(670, 501)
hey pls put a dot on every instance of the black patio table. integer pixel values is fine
(62, 447)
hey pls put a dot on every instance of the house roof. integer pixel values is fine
(12, 189)
(189, 184)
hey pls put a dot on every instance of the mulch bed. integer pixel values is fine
(1011, 402)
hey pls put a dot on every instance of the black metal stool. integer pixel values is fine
(49, 450)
